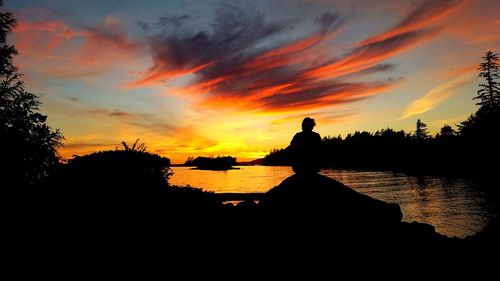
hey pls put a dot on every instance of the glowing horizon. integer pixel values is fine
(208, 78)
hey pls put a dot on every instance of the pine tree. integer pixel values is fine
(421, 130)
(28, 145)
(489, 92)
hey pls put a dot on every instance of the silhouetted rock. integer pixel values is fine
(322, 196)
(312, 208)
(489, 236)
(315, 211)
(416, 232)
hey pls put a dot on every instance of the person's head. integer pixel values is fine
(308, 124)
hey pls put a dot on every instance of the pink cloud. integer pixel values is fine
(58, 49)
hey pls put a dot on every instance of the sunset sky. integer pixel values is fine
(236, 78)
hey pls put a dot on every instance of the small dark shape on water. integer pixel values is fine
(219, 163)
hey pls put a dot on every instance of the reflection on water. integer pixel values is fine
(454, 206)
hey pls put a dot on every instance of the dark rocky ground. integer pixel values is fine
(307, 213)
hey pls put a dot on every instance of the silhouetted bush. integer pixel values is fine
(115, 173)
(126, 184)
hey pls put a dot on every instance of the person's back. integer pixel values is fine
(305, 149)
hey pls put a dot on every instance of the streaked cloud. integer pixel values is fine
(239, 63)
(56, 45)
(420, 17)
(436, 96)
(461, 70)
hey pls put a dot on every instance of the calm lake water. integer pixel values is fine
(455, 206)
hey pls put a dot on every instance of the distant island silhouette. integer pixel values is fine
(218, 163)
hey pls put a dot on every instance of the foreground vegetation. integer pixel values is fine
(29, 145)
(125, 194)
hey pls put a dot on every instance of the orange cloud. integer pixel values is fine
(462, 70)
(155, 74)
(291, 53)
(421, 16)
(230, 71)
(369, 55)
(51, 46)
(41, 38)
(435, 97)
(476, 24)
(413, 29)
(314, 98)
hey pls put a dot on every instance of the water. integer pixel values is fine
(455, 206)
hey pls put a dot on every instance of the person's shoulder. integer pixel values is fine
(296, 137)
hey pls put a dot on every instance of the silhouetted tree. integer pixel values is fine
(212, 163)
(189, 161)
(29, 145)
(115, 171)
(447, 131)
(489, 92)
(421, 130)
(278, 157)
(482, 126)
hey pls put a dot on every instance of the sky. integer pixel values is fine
(192, 78)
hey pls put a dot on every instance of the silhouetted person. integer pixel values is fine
(305, 149)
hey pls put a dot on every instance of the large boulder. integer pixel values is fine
(314, 197)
